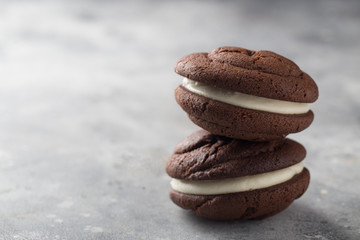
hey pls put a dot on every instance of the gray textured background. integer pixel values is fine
(88, 116)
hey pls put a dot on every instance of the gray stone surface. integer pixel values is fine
(88, 116)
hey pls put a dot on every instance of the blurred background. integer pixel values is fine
(88, 115)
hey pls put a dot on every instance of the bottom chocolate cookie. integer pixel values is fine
(256, 204)
(233, 132)
(237, 122)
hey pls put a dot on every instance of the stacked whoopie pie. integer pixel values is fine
(241, 166)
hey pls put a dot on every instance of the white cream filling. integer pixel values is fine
(245, 100)
(239, 184)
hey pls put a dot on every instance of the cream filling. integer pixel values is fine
(245, 100)
(239, 184)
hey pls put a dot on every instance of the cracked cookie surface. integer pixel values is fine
(258, 73)
(204, 156)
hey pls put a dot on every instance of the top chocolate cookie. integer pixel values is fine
(259, 73)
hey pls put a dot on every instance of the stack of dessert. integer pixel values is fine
(241, 165)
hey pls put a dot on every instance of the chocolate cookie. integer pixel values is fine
(226, 179)
(250, 95)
